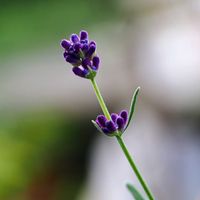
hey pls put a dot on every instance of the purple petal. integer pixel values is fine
(77, 47)
(101, 120)
(65, 54)
(92, 43)
(114, 117)
(111, 126)
(73, 60)
(86, 62)
(65, 44)
(85, 48)
(91, 50)
(105, 130)
(80, 72)
(71, 49)
(120, 123)
(84, 42)
(83, 35)
(96, 61)
(124, 115)
(74, 38)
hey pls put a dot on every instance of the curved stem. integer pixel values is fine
(100, 99)
(134, 167)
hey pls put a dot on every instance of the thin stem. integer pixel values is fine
(120, 141)
(100, 99)
(134, 167)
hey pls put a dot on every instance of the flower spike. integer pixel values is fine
(81, 54)
(113, 126)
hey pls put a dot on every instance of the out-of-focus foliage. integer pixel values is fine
(26, 25)
(42, 150)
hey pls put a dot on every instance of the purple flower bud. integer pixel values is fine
(65, 44)
(84, 41)
(73, 60)
(124, 115)
(101, 120)
(80, 72)
(91, 50)
(85, 48)
(111, 126)
(92, 43)
(83, 35)
(96, 61)
(74, 38)
(77, 47)
(105, 130)
(86, 63)
(114, 117)
(65, 54)
(120, 123)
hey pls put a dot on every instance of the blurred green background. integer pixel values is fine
(28, 25)
(43, 149)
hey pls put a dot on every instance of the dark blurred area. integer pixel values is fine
(49, 149)
(43, 154)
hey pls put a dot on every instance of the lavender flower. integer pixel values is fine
(117, 122)
(81, 54)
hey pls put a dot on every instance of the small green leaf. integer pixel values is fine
(136, 194)
(97, 126)
(132, 107)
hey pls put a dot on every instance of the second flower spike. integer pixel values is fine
(113, 126)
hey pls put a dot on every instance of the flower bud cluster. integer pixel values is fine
(117, 123)
(81, 53)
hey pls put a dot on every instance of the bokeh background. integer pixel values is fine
(49, 150)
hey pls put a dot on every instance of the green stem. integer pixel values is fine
(100, 99)
(134, 167)
(120, 141)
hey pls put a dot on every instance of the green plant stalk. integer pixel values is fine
(100, 99)
(121, 143)
(134, 167)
